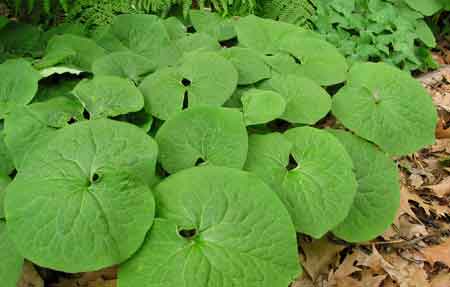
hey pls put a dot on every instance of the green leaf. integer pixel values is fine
(125, 65)
(141, 119)
(145, 35)
(378, 196)
(6, 162)
(175, 28)
(388, 107)
(59, 70)
(109, 96)
(4, 181)
(262, 106)
(216, 227)
(92, 181)
(306, 101)
(29, 126)
(250, 65)
(320, 61)
(310, 171)
(262, 35)
(12, 261)
(199, 42)
(21, 39)
(427, 8)
(425, 34)
(213, 24)
(19, 85)
(203, 79)
(3, 21)
(215, 136)
(76, 51)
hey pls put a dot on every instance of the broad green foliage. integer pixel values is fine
(123, 64)
(306, 101)
(76, 51)
(109, 96)
(317, 58)
(377, 198)
(261, 106)
(388, 107)
(3, 21)
(250, 65)
(19, 83)
(215, 136)
(12, 261)
(213, 24)
(379, 30)
(323, 178)
(92, 176)
(203, 79)
(240, 234)
(145, 118)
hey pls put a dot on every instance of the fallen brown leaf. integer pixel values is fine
(438, 253)
(318, 255)
(441, 189)
(30, 277)
(442, 280)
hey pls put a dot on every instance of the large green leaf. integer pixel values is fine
(145, 35)
(249, 64)
(261, 106)
(216, 227)
(427, 8)
(196, 42)
(203, 79)
(6, 162)
(21, 39)
(320, 61)
(215, 136)
(213, 24)
(12, 262)
(262, 35)
(92, 181)
(19, 84)
(306, 101)
(386, 106)
(71, 50)
(4, 181)
(310, 171)
(109, 96)
(378, 196)
(125, 65)
(3, 21)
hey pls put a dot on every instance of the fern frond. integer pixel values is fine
(292, 11)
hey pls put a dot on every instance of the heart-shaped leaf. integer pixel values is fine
(196, 42)
(250, 65)
(19, 85)
(261, 106)
(71, 50)
(215, 136)
(109, 96)
(12, 262)
(145, 35)
(306, 101)
(213, 24)
(203, 79)
(427, 8)
(386, 106)
(92, 179)
(216, 227)
(378, 196)
(125, 65)
(320, 61)
(310, 171)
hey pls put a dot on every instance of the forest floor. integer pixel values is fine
(414, 252)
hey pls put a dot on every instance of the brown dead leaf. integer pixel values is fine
(347, 267)
(410, 230)
(415, 180)
(441, 145)
(102, 278)
(438, 253)
(348, 282)
(318, 255)
(303, 281)
(442, 280)
(30, 277)
(441, 189)
(368, 279)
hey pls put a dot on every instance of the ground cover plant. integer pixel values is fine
(193, 159)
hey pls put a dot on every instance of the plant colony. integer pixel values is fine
(161, 151)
